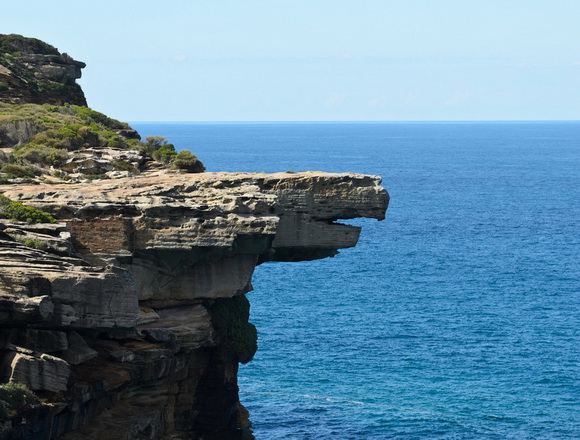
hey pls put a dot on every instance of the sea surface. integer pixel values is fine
(457, 317)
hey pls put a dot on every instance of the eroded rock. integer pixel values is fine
(147, 305)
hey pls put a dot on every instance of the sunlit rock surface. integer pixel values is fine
(130, 320)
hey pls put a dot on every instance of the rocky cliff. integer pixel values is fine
(32, 71)
(130, 312)
(122, 299)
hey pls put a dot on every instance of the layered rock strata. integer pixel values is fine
(130, 319)
(32, 71)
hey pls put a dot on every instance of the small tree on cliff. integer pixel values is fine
(187, 161)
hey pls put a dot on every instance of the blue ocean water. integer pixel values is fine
(458, 317)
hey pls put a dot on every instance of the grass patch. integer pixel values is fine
(32, 243)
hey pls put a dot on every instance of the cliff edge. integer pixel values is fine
(123, 312)
(34, 72)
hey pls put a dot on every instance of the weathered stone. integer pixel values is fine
(36, 72)
(87, 165)
(191, 325)
(37, 371)
(147, 315)
(39, 287)
(184, 245)
(16, 309)
(45, 341)
(77, 351)
(122, 356)
(179, 244)
(60, 244)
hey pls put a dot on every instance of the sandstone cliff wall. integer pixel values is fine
(130, 319)
(32, 71)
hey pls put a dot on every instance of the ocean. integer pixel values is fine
(457, 317)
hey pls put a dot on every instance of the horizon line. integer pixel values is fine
(349, 121)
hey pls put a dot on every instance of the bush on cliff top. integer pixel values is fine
(12, 170)
(64, 124)
(18, 211)
(13, 43)
(45, 134)
(40, 154)
(187, 161)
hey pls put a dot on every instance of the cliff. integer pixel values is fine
(122, 299)
(32, 71)
(133, 317)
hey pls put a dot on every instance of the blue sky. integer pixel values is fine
(338, 60)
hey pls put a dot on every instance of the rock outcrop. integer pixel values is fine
(126, 312)
(32, 71)
(130, 320)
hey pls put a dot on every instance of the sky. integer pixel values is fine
(317, 60)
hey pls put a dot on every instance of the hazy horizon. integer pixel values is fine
(328, 60)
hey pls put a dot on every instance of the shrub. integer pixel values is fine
(17, 396)
(166, 153)
(3, 87)
(123, 165)
(13, 170)
(33, 243)
(61, 175)
(93, 116)
(151, 144)
(40, 154)
(49, 138)
(20, 212)
(155, 141)
(14, 43)
(186, 160)
(78, 136)
(230, 318)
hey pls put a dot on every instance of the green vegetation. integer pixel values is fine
(33, 243)
(69, 127)
(39, 154)
(186, 160)
(230, 318)
(124, 166)
(159, 149)
(165, 154)
(45, 135)
(15, 396)
(12, 170)
(14, 44)
(3, 86)
(20, 212)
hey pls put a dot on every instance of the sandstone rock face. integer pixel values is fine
(135, 303)
(39, 371)
(35, 72)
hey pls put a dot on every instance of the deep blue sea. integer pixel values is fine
(458, 317)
